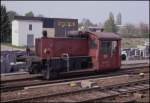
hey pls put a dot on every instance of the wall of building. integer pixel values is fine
(23, 31)
(15, 33)
(48, 22)
(50, 32)
(63, 26)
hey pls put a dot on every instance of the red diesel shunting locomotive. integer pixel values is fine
(80, 51)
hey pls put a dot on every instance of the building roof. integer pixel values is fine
(27, 18)
(39, 18)
(60, 18)
(106, 35)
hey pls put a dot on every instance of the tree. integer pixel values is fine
(109, 24)
(5, 26)
(85, 23)
(144, 29)
(130, 30)
(30, 14)
(40, 15)
(123, 32)
(118, 19)
(11, 15)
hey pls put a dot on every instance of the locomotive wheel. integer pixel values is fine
(46, 75)
(33, 69)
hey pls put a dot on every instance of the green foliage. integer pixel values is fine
(109, 25)
(144, 30)
(130, 30)
(11, 15)
(118, 19)
(30, 14)
(133, 42)
(85, 23)
(146, 35)
(5, 26)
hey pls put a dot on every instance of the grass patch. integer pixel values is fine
(133, 42)
(10, 45)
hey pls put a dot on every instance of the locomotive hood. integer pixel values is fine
(97, 34)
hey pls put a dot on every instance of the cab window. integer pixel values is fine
(106, 47)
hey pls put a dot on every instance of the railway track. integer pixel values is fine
(78, 94)
(20, 85)
(11, 77)
(99, 93)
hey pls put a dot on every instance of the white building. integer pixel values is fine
(25, 30)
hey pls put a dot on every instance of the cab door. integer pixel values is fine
(93, 48)
(105, 55)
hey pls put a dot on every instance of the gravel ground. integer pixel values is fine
(9, 48)
(18, 77)
(76, 96)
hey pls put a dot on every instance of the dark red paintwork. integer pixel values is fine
(58, 46)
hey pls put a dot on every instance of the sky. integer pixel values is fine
(96, 11)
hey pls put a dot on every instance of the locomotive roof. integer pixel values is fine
(106, 35)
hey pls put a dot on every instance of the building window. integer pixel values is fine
(30, 26)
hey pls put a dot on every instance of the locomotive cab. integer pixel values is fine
(105, 51)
